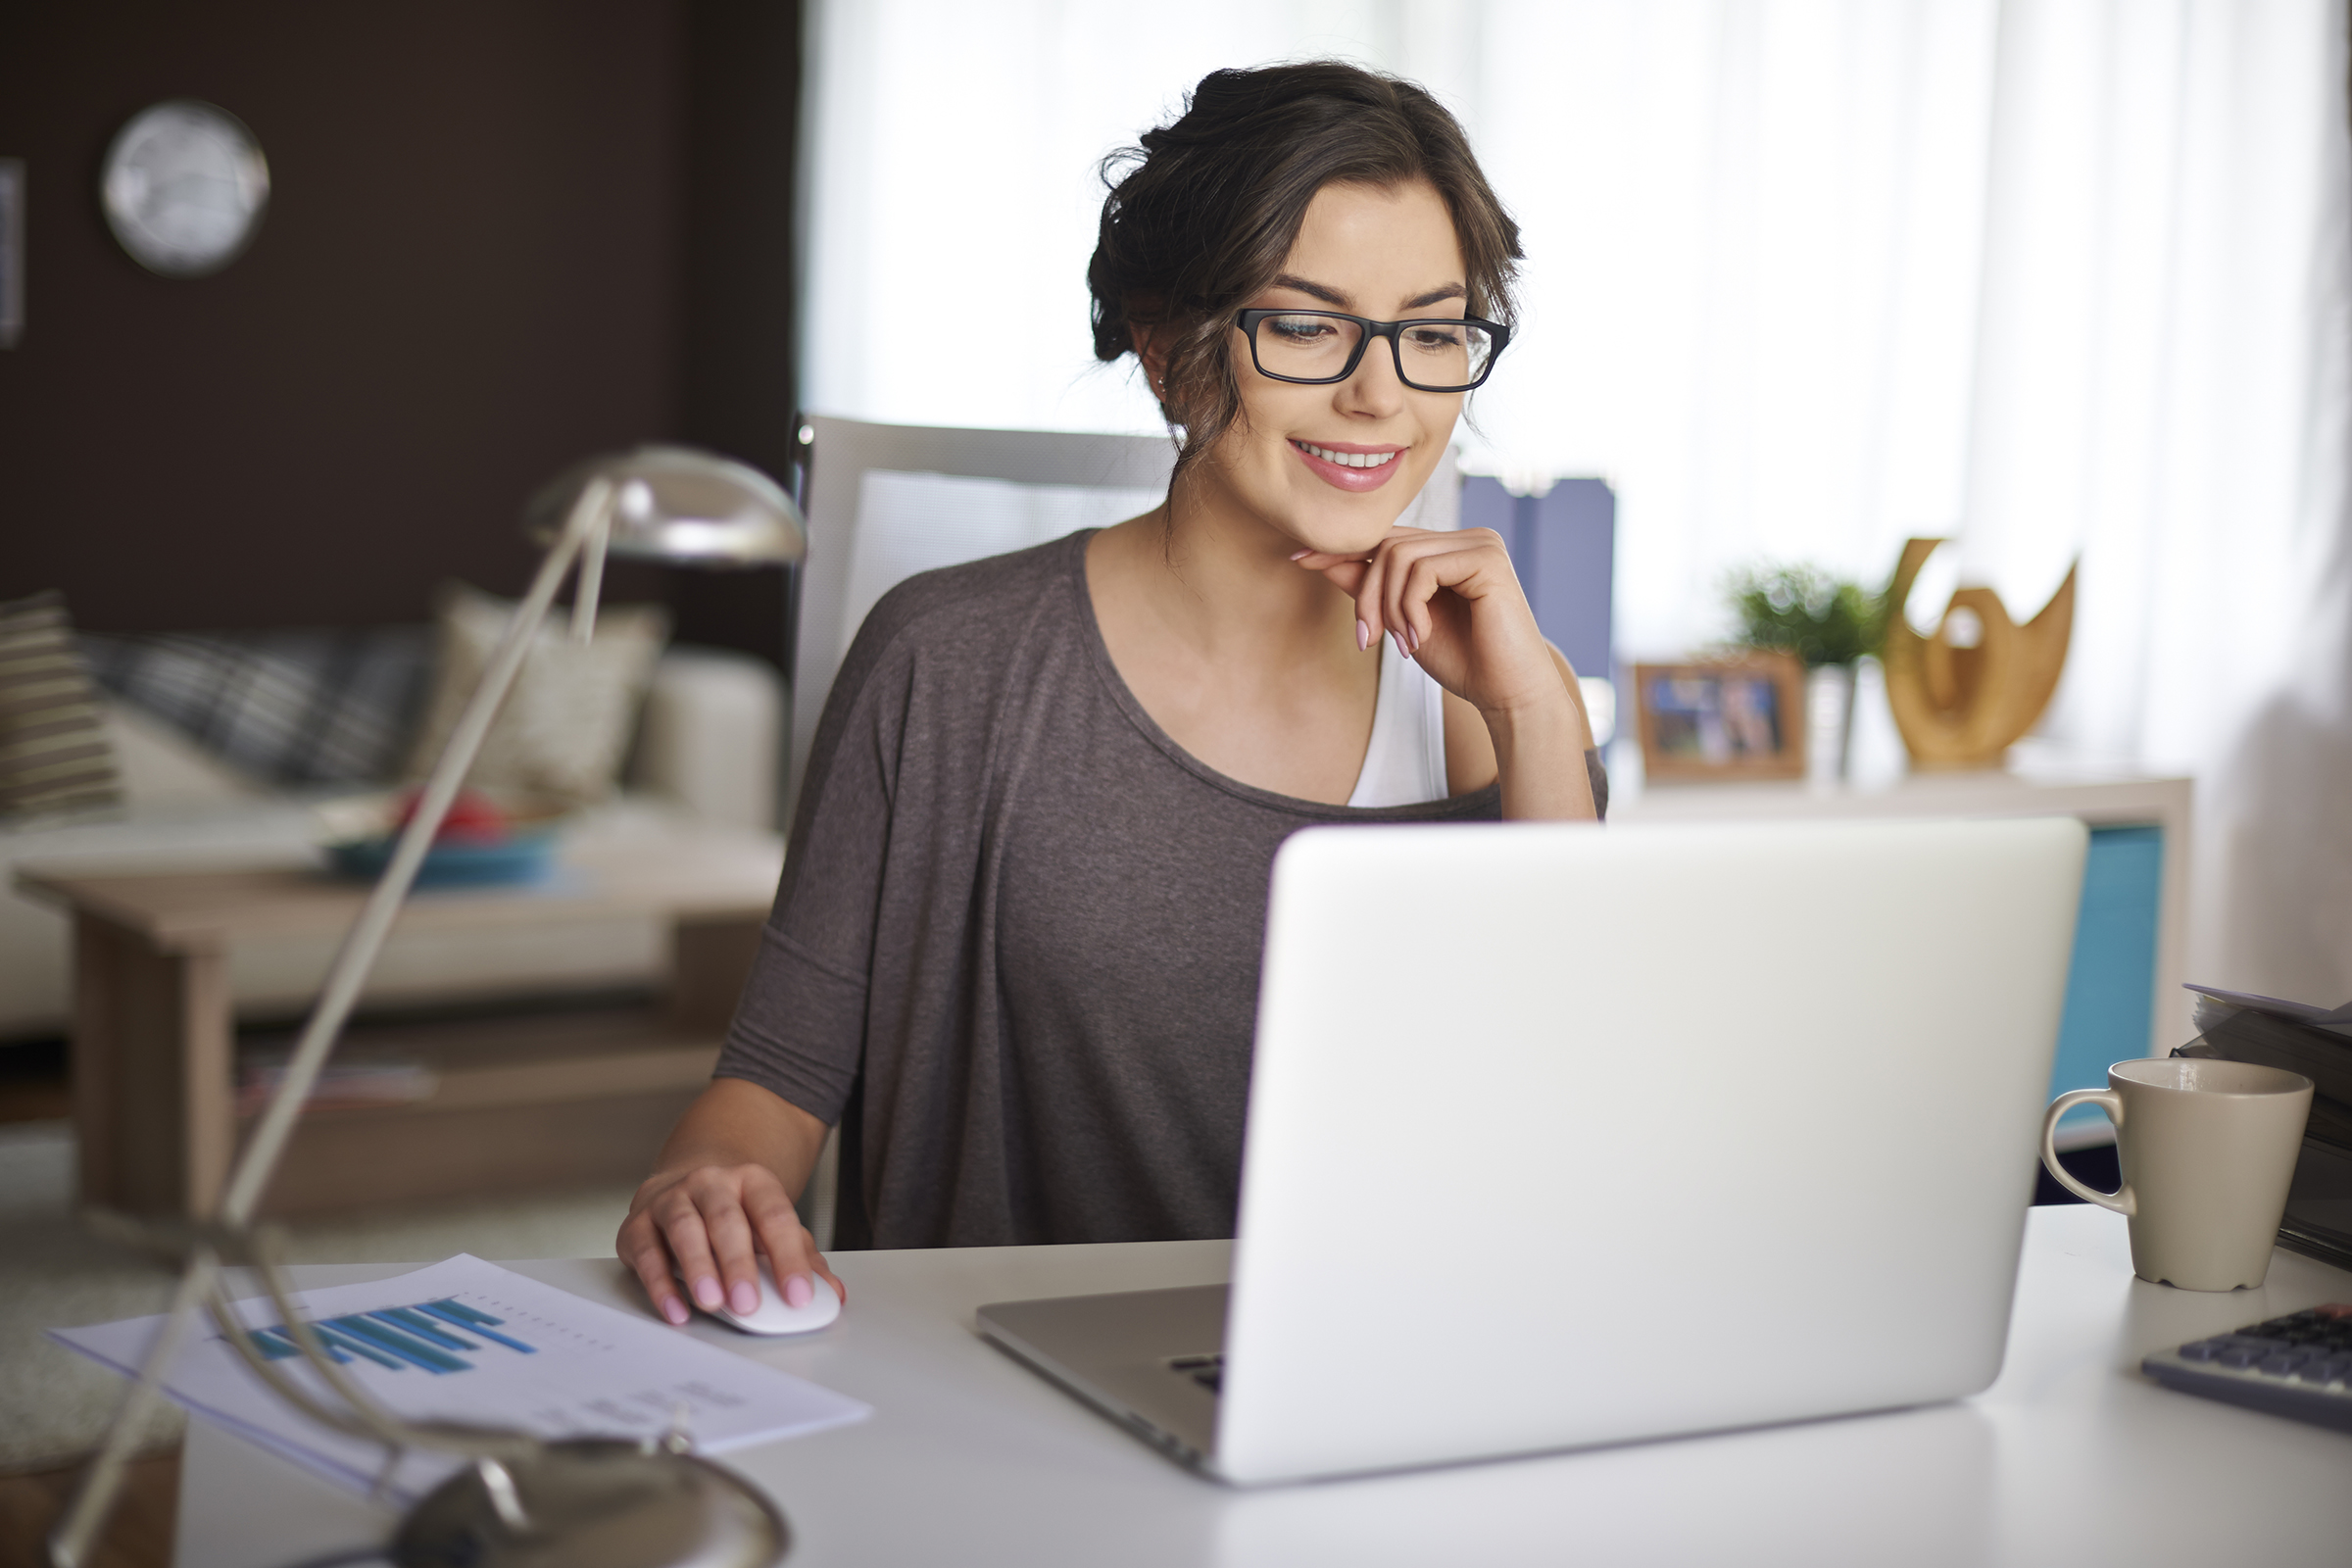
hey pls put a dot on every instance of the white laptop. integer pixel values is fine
(1562, 1136)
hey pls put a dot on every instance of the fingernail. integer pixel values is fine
(705, 1292)
(1300, 555)
(1363, 635)
(744, 1298)
(798, 1291)
(674, 1309)
(1412, 636)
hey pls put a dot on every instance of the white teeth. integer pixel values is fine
(1350, 460)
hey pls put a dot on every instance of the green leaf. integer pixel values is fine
(1801, 610)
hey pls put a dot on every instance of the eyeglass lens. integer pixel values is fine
(1435, 356)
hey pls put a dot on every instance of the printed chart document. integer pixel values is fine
(467, 1340)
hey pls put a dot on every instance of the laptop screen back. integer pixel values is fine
(1563, 1136)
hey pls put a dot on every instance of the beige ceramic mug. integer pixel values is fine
(2207, 1150)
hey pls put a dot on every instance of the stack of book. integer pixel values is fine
(2315, 1042)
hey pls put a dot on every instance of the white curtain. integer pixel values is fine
(1804, 277)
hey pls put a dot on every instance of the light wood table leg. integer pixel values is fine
(153, 1042)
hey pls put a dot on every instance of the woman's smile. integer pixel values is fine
(1348, 464)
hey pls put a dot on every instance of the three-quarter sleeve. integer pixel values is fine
(799, 1029)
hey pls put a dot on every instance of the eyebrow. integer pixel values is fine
(1332, 296)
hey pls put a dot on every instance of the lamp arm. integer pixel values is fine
(362, 1421)
(70, 1542)
(365, 1418)
(458, 1435)
(366, 939)
(587, 525)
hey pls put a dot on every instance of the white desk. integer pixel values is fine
(969, 1458)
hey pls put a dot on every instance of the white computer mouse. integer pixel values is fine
(774, 1315)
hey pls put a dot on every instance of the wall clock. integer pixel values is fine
(184, 188)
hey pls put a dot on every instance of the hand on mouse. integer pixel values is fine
(715, 1220)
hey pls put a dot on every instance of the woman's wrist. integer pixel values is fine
(1540, 756)
(734, 1124)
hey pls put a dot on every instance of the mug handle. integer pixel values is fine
(2123, 1200)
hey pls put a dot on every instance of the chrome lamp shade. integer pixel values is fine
(678, 505)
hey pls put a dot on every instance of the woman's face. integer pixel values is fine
(1386, 253)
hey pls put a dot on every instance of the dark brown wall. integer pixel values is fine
(487, 254)
(739, 389)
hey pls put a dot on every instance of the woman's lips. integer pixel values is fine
(1339, 475)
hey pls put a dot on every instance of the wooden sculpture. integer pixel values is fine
(1961, 706)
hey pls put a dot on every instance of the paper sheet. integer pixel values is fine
(468, 1341)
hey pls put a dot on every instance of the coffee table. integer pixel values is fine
(523, 1100)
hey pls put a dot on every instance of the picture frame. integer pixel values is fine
(1731, 719)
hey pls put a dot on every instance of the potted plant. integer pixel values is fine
(1829, 623)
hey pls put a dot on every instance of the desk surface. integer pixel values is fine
(2071, 1457)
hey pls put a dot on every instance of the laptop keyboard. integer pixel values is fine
(2299, 1366)
(1206, 1370)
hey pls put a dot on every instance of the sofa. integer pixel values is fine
(705, 751)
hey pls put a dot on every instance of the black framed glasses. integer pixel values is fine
(1433, 354)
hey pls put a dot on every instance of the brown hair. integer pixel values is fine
(1203, 214)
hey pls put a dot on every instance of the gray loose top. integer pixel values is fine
(1014, 952)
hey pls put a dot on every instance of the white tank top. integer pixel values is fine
(1405, 763)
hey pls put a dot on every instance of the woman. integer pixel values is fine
(1014, 952)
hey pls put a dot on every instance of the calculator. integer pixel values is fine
(2299, 1366)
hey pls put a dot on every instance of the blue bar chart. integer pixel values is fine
(469, 1343)
(431, 1336)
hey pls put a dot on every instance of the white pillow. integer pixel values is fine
(565, 727)
(161, 766)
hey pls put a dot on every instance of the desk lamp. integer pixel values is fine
(580, 1502)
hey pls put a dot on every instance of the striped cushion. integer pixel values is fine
(54, 755)
(292, 708)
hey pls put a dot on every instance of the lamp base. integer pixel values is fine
(595, 1502)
